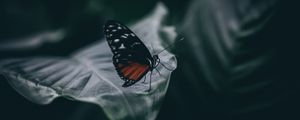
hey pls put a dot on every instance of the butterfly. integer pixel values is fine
(131, 58)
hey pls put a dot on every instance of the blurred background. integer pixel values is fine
(239, 59)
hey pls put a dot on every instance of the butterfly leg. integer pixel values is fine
(145, 79)
(150, 82)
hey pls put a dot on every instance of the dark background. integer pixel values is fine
(268, 91)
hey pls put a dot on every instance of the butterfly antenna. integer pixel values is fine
(145, 79)
(171, 45)
(150, 81)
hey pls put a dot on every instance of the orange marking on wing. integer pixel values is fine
(145, 68)
(125, 69)
(138, 72)
(130, 70)
(134, 70)
(134, 75)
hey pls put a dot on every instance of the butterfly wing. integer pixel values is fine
(129, 69)
(131, 57)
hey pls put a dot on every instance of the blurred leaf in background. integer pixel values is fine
(239, 61)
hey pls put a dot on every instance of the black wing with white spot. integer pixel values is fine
(131, 57)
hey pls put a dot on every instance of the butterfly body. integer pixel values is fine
(131, 57)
